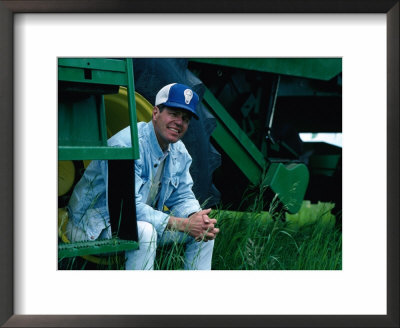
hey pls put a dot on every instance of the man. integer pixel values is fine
(162, 179)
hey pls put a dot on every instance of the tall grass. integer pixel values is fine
(308, 240)
(258, 240)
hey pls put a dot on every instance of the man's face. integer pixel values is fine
(170, 125)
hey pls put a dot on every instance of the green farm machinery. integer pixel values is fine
(252, 112)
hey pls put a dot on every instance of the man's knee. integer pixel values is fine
(147, 233)
(208, 246)
(210, 243)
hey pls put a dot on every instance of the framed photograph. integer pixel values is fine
(364, 34)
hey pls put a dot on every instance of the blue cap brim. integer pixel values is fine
(182, 106)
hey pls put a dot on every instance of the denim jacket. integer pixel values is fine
(88, 206)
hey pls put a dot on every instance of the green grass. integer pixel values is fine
(307, 240)
(259, 240)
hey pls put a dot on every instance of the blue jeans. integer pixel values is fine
(198, 255)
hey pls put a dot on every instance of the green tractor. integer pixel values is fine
(252, 113)
(266, 104)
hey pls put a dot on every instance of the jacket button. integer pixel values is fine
(155, 165)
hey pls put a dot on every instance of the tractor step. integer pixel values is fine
(95, 247)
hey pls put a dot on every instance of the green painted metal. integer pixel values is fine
(132, 109)
(79, 122)
(289, 182)
(72, 74)
(313, 68)
(95, 247)
(83, 132)
(115, 65)
(93, 70)
(234, 141)
(325, 164)
(91, 153)
(82, 122)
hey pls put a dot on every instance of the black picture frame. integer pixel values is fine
(7, 200)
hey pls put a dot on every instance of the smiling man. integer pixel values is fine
(166, 208)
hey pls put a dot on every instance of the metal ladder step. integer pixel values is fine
(103, 246)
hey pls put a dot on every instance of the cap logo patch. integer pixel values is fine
(188, 95)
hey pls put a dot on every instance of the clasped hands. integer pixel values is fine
(201, 226)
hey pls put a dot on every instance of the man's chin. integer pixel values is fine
(173, 139)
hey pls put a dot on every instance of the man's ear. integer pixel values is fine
(156, 110)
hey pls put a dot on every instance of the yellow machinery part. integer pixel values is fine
(117, 117)
(66, 176)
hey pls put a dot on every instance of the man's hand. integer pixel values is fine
(201, 226)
